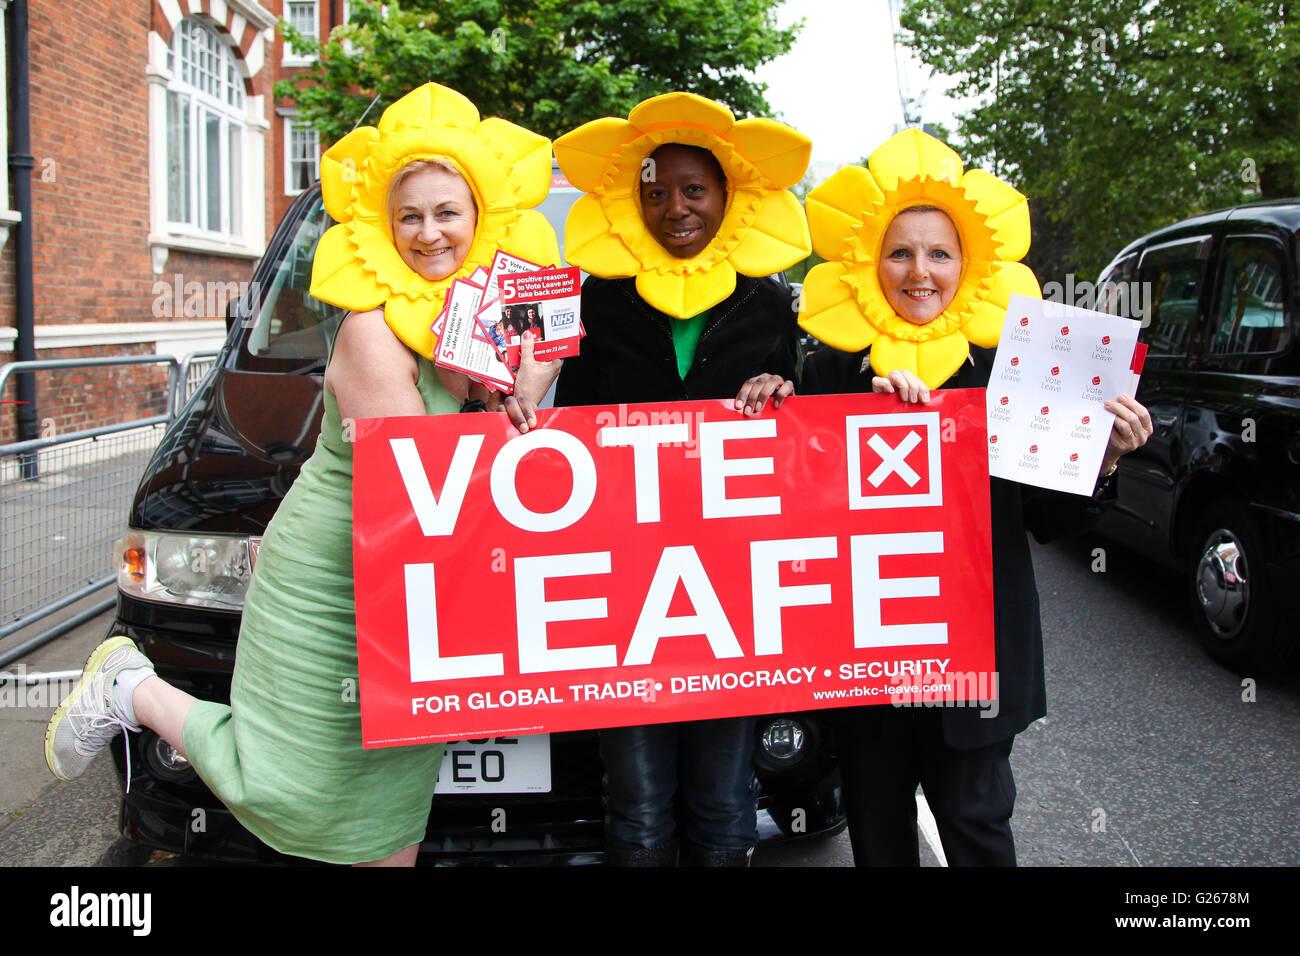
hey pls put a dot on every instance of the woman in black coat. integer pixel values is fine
(959, 755)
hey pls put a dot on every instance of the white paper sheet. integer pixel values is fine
(1055, 368)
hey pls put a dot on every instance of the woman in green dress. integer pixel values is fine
(285, 756)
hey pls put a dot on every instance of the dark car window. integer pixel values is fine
(1116, 290)
(1174, 274)
(1250, 314)
(291, 326)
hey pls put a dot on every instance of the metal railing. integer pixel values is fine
(194, 368)
(64, 497)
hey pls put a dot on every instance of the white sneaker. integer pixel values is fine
(89, 717)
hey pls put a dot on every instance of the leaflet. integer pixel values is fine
(502, 264)
(477, 278)
(549, 302)
(1055, 368)
(462, 344)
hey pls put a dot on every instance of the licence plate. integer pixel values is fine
(496, 765)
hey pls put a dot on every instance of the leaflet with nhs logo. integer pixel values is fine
(1056, 366)
(549, 304)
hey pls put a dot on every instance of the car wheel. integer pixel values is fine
(1229, 595)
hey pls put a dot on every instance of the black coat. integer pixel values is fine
(1014, 508)
(628, 354)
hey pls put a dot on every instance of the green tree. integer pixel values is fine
(549, 65)
(1116, 117)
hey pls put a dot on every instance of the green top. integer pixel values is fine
(686, 336)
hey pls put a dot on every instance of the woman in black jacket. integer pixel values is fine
(959, 755)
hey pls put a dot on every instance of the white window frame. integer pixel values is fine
(248, 240)
(290, 123)
(289, 58)
(207, 86)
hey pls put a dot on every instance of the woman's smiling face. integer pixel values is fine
(684, 198)
(433, 216)
(920, 264)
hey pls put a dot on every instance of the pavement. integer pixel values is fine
(35, 807)
(46, 822)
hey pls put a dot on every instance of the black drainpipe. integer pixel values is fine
(20, 175)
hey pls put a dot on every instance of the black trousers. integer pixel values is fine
(885, 752)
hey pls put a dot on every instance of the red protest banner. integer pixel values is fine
(640, 564)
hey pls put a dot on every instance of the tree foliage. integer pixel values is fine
(549, 65)
(1116, 117)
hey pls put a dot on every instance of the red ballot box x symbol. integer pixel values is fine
(893, 460)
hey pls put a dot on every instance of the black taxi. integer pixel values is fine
(1215, 493)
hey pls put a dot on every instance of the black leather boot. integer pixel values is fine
(665, 855)
(703, 856)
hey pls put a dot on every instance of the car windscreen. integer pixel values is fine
(291, 331)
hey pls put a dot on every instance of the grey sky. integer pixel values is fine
(838, 84)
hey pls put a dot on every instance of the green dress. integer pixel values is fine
(285, 756)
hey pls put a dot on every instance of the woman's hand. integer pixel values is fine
(532, 382)
(910, 389)
(1131, 430)
(757, 390)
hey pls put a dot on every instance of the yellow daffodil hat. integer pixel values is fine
(763, 229)
(508, 170)
(843, 304)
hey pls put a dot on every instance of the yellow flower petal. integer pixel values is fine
(775, 240)
(984, 327)
(780, 153)
(339, 277)
(411, 320)
(939, 358)
(889, 354)
(836, 209)
(340, 170)
(429, 106)
(1005, 210)
(585, 152)
(375, 248)
(531, 237)
(933, 362)
(685, 296)
(829, 312)
(913, 154)
(681, 109)
(589, 244)
(527, 156)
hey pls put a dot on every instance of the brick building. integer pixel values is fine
(161, 165)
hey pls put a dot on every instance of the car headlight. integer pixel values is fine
(165, 761)
(783, 742)
(204, 571)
